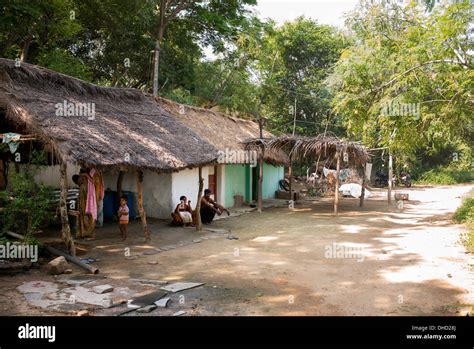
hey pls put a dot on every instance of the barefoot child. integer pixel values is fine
(123, 217)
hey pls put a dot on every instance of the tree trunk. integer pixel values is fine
(65, 228)
(141, 210)
(25, 50)
(390, 175)
(156, 67)
(336, 193)
(198, 204)
(158, 41)
(119, 185)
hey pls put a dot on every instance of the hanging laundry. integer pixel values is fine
(343, 174)
(13, 141)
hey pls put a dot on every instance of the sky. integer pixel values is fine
(324, 11)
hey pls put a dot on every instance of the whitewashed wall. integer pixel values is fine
(156, 190)
(49, 175)
(186, 183)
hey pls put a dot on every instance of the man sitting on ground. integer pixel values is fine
(209, 208)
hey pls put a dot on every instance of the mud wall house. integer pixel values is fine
(128, 131)
(235, 173)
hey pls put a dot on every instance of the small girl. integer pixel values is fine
(123, 217)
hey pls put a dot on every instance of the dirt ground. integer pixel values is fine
(377, 260)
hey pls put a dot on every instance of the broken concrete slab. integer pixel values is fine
(179, 313)
(34, 296)
(198, 240)
(81, 294)
(180, 286)
(100, 289)
(151, 252)
(163, 302)
(150, 281)
(80, 279)
(149, 298)
(130, 305)
(42, 287)
(217, 231)
(152, 262)
(147, 309)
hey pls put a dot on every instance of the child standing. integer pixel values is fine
(123, 217)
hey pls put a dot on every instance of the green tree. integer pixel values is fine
(294, 62)
(405, 58)
(41, 32)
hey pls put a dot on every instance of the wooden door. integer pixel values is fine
(213, 185)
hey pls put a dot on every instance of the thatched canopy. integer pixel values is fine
(125, 122)
(299, 147)
(221, 130)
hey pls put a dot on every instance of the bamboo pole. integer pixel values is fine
(141, 210)
(65, 228)
(56, 252)
(119, 185)
(76, 261)
(260, 168)
(290, 181)
(198, 205)
(390, 175)
(336, 194)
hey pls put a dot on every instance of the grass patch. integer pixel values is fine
(465, 214)
(445, 176)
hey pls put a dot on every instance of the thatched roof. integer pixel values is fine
(299, 147)
(126, 121)
(221, 130)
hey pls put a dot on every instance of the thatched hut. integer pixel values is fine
(112, 129)
(353, 154)
(236, 174)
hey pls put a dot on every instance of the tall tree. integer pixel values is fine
(295, 60)
(407, 81)
(210, 18)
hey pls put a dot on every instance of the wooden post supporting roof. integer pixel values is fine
(198, 205)
(65, 228)
(336, 193)
(390, 175)
(290, 182)
(141, 210)
(119, 185)
(362, 192)
(260, 168)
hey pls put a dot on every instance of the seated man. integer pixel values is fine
(209, 208)
(182, 215)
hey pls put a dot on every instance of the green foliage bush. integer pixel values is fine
(26, 205)
(465, 212)
(445, 176)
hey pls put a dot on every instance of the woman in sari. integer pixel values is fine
(183, 214)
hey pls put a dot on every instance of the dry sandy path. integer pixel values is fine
(393, 262)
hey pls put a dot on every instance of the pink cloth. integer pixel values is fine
(91, 203)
